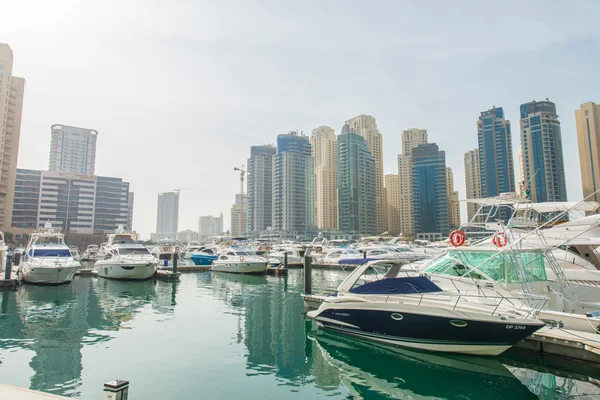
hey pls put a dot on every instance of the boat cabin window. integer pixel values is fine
(49, 240)
(50, 253)
(377, 252)
(231, 253)
(141, 250)
(245, 253)
(108, 256)
(123, 239)
(208, 251)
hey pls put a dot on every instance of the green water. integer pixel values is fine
(221, 336)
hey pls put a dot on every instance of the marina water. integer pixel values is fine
(216, 335)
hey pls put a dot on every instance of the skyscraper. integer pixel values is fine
(357, 187)
(542, 152)
(588, 139)
(392, 191)
(473, 182)
(495, 153)
(324, 145)
(238, 220)
(12, 89)
(453, 203)
(73, 149)
(366, 126)
(210, 226)
(167, 215)
(293, 184)
(430, 199)
(260, 188)
(130, 211)
(411, 138)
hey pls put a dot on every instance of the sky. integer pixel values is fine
(180, 90)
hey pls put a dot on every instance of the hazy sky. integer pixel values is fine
(179, 90)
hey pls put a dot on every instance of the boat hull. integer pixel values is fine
(42, 275)
(203, 259)
(458, 333)
(126, 271)
(240, 267)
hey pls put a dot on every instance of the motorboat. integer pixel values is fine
(123, 257)
(393, 253)
(90, 253)
(75, 253)
(333, 257)
(412, 311)
(164, 253)
(47, 259)
(205, 255)
(240, 260)
(295, 255)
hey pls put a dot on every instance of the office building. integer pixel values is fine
(543, 160)
(392, 192)
(588, 139)
(293, 184)
(411, 138)
(325, 156)
(238, 216)
(495, 153)
(167, 215)
(73, 149)
(73, 203)
(430, 199)
(12, 89)
(260, 188)
(210, 226)
(453, 203)
(473, 183)
(357, 186)
(130, 211)
(366, 126)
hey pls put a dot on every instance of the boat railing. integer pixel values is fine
(517, 303)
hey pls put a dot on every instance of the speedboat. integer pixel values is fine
(295, 255)
(393, 253)
(47, 259)
(123, 257)
(204, 255)
(333, 257)
(413, 311)
(240, 260)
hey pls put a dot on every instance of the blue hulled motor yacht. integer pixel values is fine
(412, 311)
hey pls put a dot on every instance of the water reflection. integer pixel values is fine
(56, 322)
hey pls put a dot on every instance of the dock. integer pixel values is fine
(16, 393)
(576, 345)
(188, 268)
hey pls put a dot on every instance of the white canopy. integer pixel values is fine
(560, 206)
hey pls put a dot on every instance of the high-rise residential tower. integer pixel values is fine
(260, 188)
(495, 153)
(473, 182)
(238, 222)
(167, 216)
(73, 149)
(293, 184)
(541, 141)
(324, 147)
(453, 203)
(12, 89)
(588, 139)
(210, 226)
(392, 192)
(411, 138)
(357, 189)
(430, 198)
(366, 126)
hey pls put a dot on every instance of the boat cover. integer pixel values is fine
(356, 261)
(406, 285)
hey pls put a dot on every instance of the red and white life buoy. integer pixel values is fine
(177, 249)
(241, 258)
(166, 248)
(457, 238)
(499, 239)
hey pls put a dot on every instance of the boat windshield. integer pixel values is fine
(123, 239)
(50, 253)
(498, 266)
(49, 240)
(140, 250)
(245, 253)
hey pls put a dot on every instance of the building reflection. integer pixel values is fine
(55, 323)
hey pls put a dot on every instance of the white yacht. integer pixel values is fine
(295, 255)
(123, 257)
(90, 253)
(240, 260)
(333, 257)
(393, 253)
(412, 311)
(47, 259)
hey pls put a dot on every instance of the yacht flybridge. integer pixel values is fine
(47, 259)
(123, 257)
(413, 311)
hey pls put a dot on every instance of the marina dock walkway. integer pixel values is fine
(15, 393)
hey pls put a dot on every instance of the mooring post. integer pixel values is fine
(8, 268)
(364, 254)
(175, 257)
(285, 260)
(116, 390)
(307, 272)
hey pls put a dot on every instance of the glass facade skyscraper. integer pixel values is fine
(430, 200)
(357, 188)
(293, 184)
(260, 188)
(541, 143)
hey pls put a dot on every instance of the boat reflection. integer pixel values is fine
(364, 369)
